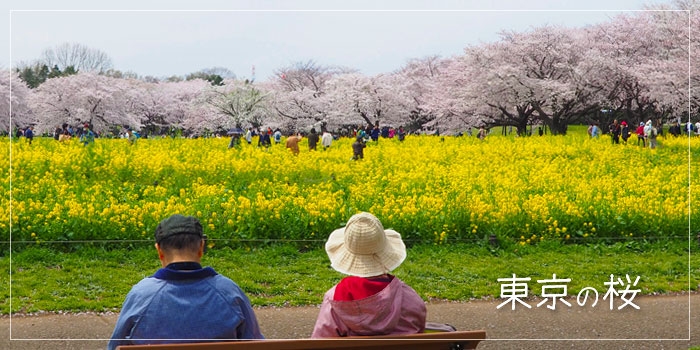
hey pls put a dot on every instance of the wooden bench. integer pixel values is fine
(421, 341)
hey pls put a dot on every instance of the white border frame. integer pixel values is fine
(11, 11)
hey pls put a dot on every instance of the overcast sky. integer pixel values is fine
(164, 43)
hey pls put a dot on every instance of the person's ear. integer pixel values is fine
(201, 249)
(160, 252)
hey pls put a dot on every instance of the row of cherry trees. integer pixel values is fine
(639, 67)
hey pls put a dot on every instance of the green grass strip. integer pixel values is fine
(93, 278)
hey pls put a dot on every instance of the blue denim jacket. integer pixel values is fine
(187, 305)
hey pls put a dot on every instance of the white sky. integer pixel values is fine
(166, 43)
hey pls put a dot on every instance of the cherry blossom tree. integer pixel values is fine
(672, 69)
(17, 104)
(234, 104)
(480, 89)
(422, 77)
(355, 98)
(299, 93)
(618, 50)
(164, 104)
(83, 98)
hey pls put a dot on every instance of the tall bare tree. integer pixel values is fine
(81, 57)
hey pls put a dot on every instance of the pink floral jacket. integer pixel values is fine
(397, 309)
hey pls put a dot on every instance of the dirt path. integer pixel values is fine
(659, 317)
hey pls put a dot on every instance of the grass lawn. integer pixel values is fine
(91, 277)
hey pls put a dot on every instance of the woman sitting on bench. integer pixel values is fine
(370, 301)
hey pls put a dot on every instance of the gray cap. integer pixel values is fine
(177, 225)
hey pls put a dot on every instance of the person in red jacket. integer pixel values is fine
(640, 135)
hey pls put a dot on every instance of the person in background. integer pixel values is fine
(640, 135)
(326, 139)
(183, 300)
(278, 136)
(697, 128)
(293, 143)
(625, 133)
(595, 132)
(370, 301)
(88, 136)
(402, 134)
(650, 132)
(248, 135)
(313, 140)
(57, 133)
(29, 134)
(375, 132)
(131, 137)
(358, 148)
(675, 129)
(615, 131)
(482, 133)
(264, 140)
(235, 141)
(65, 136)
(690, 127)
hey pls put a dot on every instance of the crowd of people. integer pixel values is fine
(83, 132)
(184, 300)
(647, 133)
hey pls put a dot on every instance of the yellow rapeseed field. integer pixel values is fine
(428, 188)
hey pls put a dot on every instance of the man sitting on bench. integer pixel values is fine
(183, 302)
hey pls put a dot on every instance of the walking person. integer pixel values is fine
(640, 135)
(675, 129)
(402, 134)
(313, 140)
(625, 132)
(375, 132)
(326, 139)
(615, 131)
(265, 140)
(358, 149)
(293, 143)
(88, 136)
(651, 132)
(277, 136)
(595, 132)
(29, 134)
(19, 133)
(248, 135)
(131, 138)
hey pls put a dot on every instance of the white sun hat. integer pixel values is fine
(364, 249)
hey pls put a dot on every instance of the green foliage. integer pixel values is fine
(213, 79)
(94, 277)
(35, 75)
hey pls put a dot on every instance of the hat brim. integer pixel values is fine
(384, 261)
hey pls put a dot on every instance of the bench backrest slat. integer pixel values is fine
(421, 341)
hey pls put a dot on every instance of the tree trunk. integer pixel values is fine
(558, 126)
